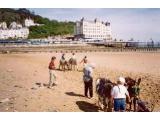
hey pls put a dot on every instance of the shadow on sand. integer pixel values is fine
(74, 94)
(80, 70)
(63, 70)
(44, 84)
(87, 107)
(58, 69)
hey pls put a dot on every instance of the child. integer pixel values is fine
(84, 61)
(52, 72)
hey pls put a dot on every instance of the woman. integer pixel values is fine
(119, 94)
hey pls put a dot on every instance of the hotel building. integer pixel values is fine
(92, 30)
(29, 22)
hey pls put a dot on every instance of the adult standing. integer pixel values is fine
(73, 62)
(119, 94)
(52, 72)
(63, 57)
(88, 79)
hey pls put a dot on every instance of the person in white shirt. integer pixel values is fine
(88, 79)
(119, 94)
(73, 56)
(73, 62)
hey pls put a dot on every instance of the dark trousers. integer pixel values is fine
(88, 86)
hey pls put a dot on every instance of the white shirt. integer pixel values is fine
(119, 91)
(73, 57)
(88, 70)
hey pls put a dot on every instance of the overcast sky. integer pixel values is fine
(140, 24)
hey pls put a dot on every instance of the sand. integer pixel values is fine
(19, 74)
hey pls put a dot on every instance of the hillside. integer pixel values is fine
(49, 28)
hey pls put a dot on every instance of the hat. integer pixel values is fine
(92, 65)
(121, 79)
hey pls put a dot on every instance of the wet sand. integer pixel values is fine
(19, 74)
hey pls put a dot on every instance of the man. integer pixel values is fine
(119, 94)
(52, 72)
(88, 79)
(63, 57)
(73, 62)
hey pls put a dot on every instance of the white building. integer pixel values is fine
(14, 33)
(16, 30)
(3, 25)
(14, 25)
(92, 30)
(30, 22)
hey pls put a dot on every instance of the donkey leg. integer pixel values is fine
(105, 104)
(68, 66)
(100, 103)
(130, 104)
(60, 66)
(63, 67)
(110, 105)
(135, 103)
(74, 67)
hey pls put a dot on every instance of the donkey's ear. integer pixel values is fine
(139, 81)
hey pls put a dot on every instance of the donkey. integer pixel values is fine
(63, 64)
(134, 91)
(72, 63)
(103, 90)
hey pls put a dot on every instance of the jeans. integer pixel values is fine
(120, 104)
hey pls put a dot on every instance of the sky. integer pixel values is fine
(138, 23)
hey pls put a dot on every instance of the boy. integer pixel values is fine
(52, 72)
(84, 61)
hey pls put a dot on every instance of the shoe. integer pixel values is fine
(89, 97)
(54, 84)
(49, 87)
(86, 96)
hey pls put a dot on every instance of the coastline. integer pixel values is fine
(65, 48)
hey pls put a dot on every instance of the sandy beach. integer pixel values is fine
(21, 74)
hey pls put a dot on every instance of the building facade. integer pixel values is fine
(14, 31)
(3, 26)
(29, 22)
(92, 30)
